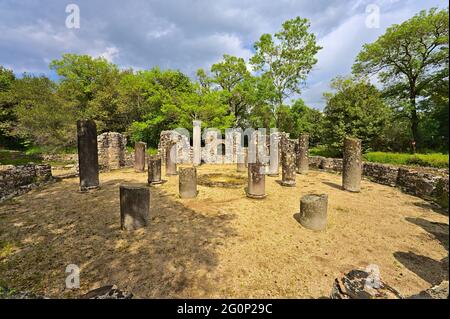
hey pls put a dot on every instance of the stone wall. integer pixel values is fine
(16, 180)
(430, 184)
(111, 150)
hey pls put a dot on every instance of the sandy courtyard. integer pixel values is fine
(220, 244)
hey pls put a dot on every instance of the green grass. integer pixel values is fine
(8, 157)
(437, 160)
(429, 159)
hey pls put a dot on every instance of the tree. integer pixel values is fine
(43, 116)
(407, 58)
(287, 58)
(355, 109)
(7, 104)
(232, 76)
(307, 121)
(91, 84)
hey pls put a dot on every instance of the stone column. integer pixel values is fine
(197, 142)
(188, 182)
(171, 161)
(313, 211)
(302, 154)
(288, 162)
(274, 154)
(242, 158)
(352, 165)
(256, 181)
(87, 155)
(134, 206)
(139, 156)
(154, 170)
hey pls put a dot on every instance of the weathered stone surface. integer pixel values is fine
(381, 174)
(188, 182)
(288, 162)
(302, 154)
(357, 284)
(437, 292)
(171, 162)
(139, 156)
(183, 150)
(111, 150)
(6, 293)
(417, 183)
(242, 160)
(274, 164)
(19, 179)
(134, 206)
(352, 165)
(431, 184)
(107, 292)
(213, 152)
(313, 211)
(256, 181)
(154, 170)
(87, 154)
(233, 145)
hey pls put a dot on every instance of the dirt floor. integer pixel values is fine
(220, 244)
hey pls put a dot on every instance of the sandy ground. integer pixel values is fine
(220, 244)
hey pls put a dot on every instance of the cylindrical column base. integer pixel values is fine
(352, 165)
(134, 206)
(288, 163)
(154, 170)
(256, 188)
(313, 211)
(188, 182)
(302, 154)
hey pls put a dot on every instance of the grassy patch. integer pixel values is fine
(6, 249)
(8, 157)
(437, 160)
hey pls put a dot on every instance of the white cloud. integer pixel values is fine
(187, 35)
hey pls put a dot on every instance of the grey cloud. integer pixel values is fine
(187, 35)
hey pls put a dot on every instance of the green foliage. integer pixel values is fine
(42, 115)
(7, 105)
(355, 109)
(287, 57)
(437, 160)
(408, 58)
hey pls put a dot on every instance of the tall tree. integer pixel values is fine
(91, 84)
(233, 77)
(408, 57)
(356, 109)
(287, 57)
(7, 104)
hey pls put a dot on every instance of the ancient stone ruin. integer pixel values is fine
(313, 211)
(111, 150)
(134, 206)
(87, 154)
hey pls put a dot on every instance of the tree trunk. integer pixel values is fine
(414, 122)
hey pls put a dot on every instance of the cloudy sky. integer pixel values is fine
(187, 35)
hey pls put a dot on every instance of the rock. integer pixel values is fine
(107, 292)
(6, 293)
(437, 292)
(356, 285)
